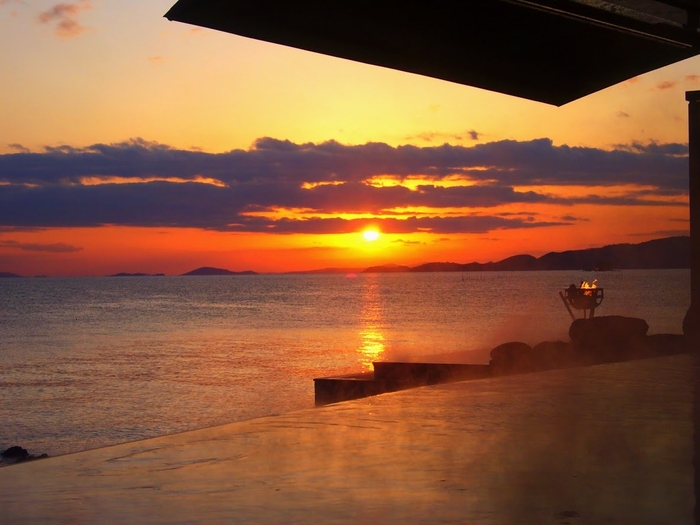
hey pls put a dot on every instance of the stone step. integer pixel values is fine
(390, 377)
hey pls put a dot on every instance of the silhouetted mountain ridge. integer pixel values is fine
(327, 270)
(667, 253)
(208, 270)
(138, 274)
(388, 268)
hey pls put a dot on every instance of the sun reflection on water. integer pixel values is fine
(371, 337)
(371, 347)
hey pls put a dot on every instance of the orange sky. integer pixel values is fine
(148, 154)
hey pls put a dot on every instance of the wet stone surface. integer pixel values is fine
(601, 444)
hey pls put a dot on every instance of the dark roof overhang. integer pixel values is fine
(552, 51)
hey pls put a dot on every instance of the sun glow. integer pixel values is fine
(370, 235)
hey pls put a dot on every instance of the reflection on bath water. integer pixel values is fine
(96, 361)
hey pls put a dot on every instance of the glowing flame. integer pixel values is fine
(586, 286)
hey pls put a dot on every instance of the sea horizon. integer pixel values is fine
(590, 259)
(93, 361)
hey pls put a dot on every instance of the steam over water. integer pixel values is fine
(89, 362)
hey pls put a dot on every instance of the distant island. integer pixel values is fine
(397, 268)
(208, 270)
(667, 253)
(658, 254)
(123, 274)
(328, 270)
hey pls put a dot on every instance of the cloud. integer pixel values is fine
(18, 147)
(63, 18)
(622, 114)
(692, 78)
(442, 225)
(52, 248)
(156, 59)
(405, 242)
(14, 229)
(249, 190)
(9, 2)
(517, 213)
(445, 137)
(666, 84)
(507, 162)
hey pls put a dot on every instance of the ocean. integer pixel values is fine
(91, 362)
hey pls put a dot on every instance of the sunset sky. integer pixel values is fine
(129, 143)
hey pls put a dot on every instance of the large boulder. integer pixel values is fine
(608, 338)
(512, 358)
(15, 453)
(615, 327)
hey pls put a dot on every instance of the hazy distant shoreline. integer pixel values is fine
(658, 254)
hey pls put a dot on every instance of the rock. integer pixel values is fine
(554, 354)
(511, 358)
(612, 326)
(662, 344)
(608, 338)
(15, 453)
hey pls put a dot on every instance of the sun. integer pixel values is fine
(370, 235)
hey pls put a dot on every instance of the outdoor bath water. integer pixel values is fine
(90, 362)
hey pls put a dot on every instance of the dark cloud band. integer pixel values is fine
(49, 189)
